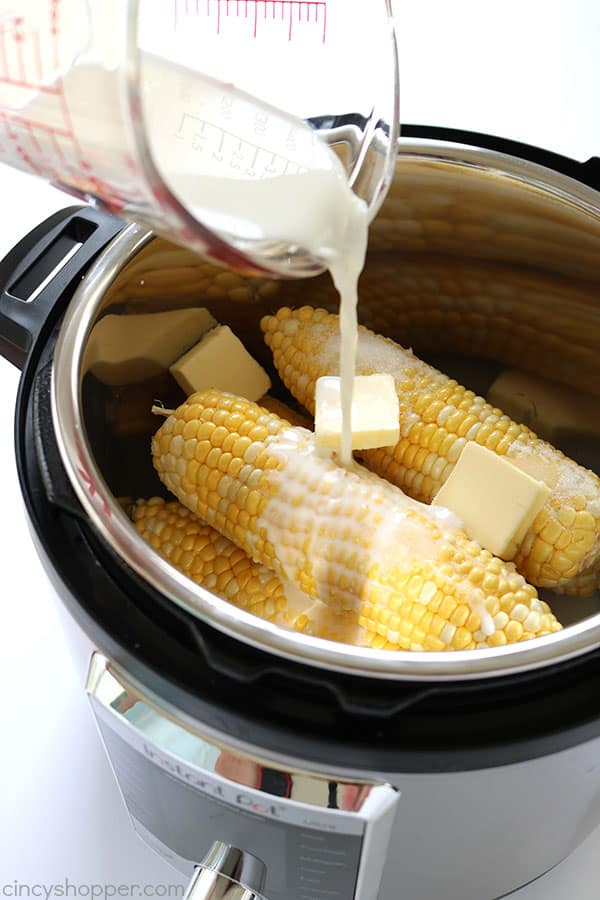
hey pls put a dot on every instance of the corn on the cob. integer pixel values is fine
(582, 585)
(217, 564)
(525, 318)
(175, 277)
(272, 404)
(437, 418)
(439, 207)
(345, 537)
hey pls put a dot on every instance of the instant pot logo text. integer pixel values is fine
(67, 888)
(229, 793)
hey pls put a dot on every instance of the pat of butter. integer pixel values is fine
(221, 361)
(495, 501)
(130, 348)
(375, 412)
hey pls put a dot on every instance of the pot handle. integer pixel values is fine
(39, 275)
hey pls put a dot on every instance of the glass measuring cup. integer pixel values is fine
(164, 112)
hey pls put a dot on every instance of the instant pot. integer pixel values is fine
(266, 764)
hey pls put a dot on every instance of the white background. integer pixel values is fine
(529, 70)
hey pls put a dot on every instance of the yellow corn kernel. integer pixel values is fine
(216, 563)
(409, 599)
(439, 416)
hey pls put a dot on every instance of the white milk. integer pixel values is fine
(252, 173)
(346, 519)
(260, 178)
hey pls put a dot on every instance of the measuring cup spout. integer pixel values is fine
(177, 115)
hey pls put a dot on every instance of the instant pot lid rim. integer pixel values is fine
(117, 530)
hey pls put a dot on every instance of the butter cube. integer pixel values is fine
(131, 348)
(375, 412)
(221, 361)
(496, 501)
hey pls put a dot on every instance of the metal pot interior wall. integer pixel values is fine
(478, 262)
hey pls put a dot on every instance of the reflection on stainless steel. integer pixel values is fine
(208, 884)
(473, 253)
(163, 729)
(471, 203)
(298, 824)
(227, 873)
(242, 867)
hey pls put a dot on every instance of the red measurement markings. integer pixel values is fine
(29, 161)
(69, 132)
(314, 11)
(32, 137)
(9, 132)
(3, 54)
(9, 135)
(289, 7)
(17, 42)
(37, 55)
(22, 65)
(28, 128)
(30, 123)
(18, 38)
(58, 149)
(55, 26)
(23, 154)
(54, 10)
(31, 85)
(107, 194)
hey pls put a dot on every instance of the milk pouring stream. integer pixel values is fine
(311, 206)
(111, 101)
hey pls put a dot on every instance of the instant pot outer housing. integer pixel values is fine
(486, 254)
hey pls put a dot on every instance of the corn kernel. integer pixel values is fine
(408, 600)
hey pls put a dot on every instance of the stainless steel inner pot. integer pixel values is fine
(477, 261)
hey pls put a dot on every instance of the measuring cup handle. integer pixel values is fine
(39, 275)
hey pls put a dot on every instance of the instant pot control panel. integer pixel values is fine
(317, 837)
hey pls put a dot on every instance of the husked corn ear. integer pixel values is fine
(583, 584)
(208, 558)
(522, 317)
(168, 277)
(437, 418)
(217, 564)
(343, 536)
(272, 404)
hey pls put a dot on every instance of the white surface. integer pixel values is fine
(527, 71)
(524, 69)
